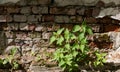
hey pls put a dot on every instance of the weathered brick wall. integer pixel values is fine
(29, 23)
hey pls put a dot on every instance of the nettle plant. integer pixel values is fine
(73, 50)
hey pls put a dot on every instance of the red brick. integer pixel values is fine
(111, 27)
(48, 18)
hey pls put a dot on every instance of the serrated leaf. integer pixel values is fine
(76, 28)
(75, 46)
(61, 63)
(82, 47)
(81, 36)
(69, 63)
(66, 34)
(67, 46)
(5, 61)
(75, 53)
(52, 39)
(72, 36)
(89, 30)
(104, 60)
(60, 31)
(76, 65)
(97, 62)
(60, 40)
(84, 41)
(103, 54)
(84, 26)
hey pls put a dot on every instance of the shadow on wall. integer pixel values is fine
(3, 42)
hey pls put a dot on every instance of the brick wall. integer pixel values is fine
(29, 23)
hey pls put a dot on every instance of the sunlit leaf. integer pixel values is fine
(60, 40)
(75, 53)
(66, 34)
(89, 30)
(61, 63)
(75, 46)
(52, 39)
(82, 47)
(60, 31)
(84, 41)
(72, 36)
(81, 36)
(84, 26)
(76, 28)
(67, 46)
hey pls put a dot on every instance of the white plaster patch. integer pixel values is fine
(117, 16)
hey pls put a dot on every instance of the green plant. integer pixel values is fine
(72, 47)
(100, 58)
(9, 61)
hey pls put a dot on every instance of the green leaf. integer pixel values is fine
(89, 30)
(13, 51)
(67, 46)
(103, 54)
(81, 36)
(69, 63)
(104, 60)
(75, 53)
(84, 26)
(84, 41)
(60, 31)
(15, 65)
(75, 46)
(61, 63)
(72, 36)
(5, 61)
(76, 28)
(98, 62)
(60, 40)
(66, 34)
(82, 47)
(64, 67)
(52, 39)
(76, 65)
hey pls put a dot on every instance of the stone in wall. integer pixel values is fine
(9, 18)
(32, 2)
(48, 18)
(40, 10)
(76, 2)
(62, 19)
(12, 9)
(115, 37)
(6, 1)
(22, 3)
(25, 10)
(20, 18)
(32, 18)
(44, 2)
(63, 10)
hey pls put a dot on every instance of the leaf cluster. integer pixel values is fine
(72, 48)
